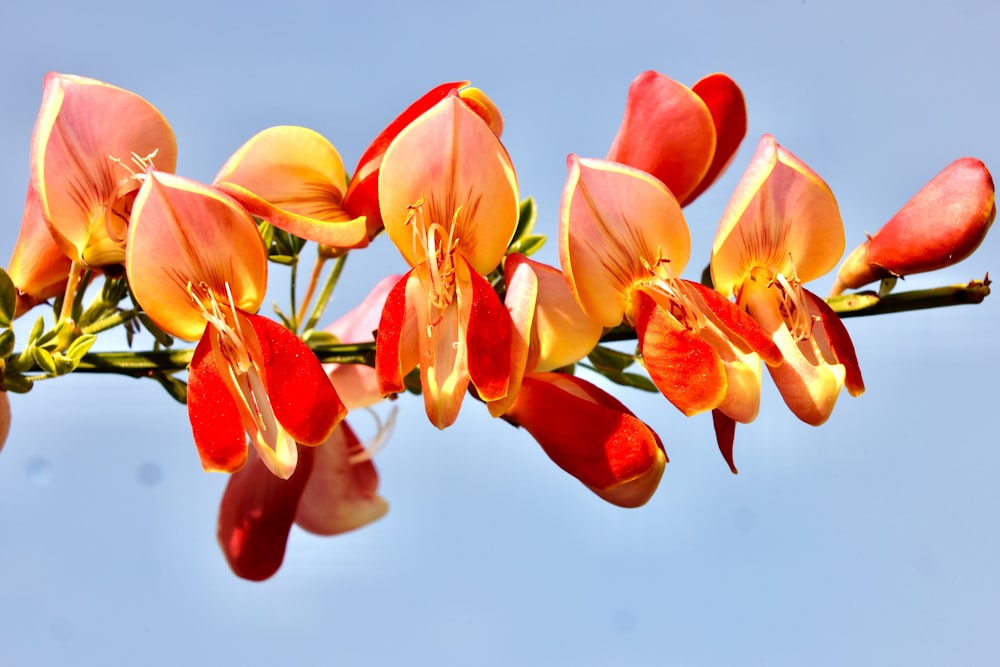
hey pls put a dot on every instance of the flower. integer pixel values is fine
(334, 488)
(197, 266)
(782, 228)
(449, 200)
(941, 225)
(38, 267)
(583, 429)
(91, 143)
(623, 243)
(686, 137)
(294, 178)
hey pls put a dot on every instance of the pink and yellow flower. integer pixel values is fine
(449, 201)
(38, 267)
(91, 143)
(782, 228)
(197, 266)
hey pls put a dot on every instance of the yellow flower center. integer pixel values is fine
(682, 301)
(435, 244)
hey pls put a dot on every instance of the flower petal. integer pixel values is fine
(294, 178)
(489, 340)
(396, 345)
(38, 267)
(84, 140)
(592, 436)
(183, 232)
(616, 222)
(725, 102)
(342, 493)
(256, 515)
(782, 217)
(215, 418)
(450, 161)
(668, 132)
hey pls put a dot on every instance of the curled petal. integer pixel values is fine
(489, 340)
(941, 225)
(396, 344)
(184, 234)
(782, 217)
(592, 436)
(342, 493)
(294, 178)
(216, 423)
(616, 223)
(38, 267)
(82, 165)
(256, 515)
(667, 131)
(729, 114)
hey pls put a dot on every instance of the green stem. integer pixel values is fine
(324, 296)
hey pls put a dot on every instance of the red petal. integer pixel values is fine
(301, 394)
(389, 365)
(489, 341)
(729, 114)
(685, 368)
(592, 436)
(256, 514)
(739, 323)
(725, 434)
(215, 418)
(840, 343)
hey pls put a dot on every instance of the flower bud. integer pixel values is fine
(941, 225)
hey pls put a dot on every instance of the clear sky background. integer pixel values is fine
(872, 540)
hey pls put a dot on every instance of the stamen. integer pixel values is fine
(435, 244)
(683, 303)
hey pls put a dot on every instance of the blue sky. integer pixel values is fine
(870, 540)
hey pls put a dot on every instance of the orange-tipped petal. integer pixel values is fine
(616, 223)
(782, 217)
(724, 100)
(294, 178)
(256, 515)
(89, 141)
(219, 434)
(667, 131)
(447, 168)
(592, 436)
(185, 234)
(38, 267)
(342, 492)
(683, 366)
(941, 225)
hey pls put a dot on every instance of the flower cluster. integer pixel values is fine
(473, 316)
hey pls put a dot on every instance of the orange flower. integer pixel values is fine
(623, 243)
(781, 229)
(38, 267)
(449, 201)
(197, 266)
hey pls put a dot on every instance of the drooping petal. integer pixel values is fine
(520, 299)
(5, 417)
(256, 515)
(725, 102)
(82, 166)
(294, 178)
(782, 217)
(941, 225)
(831, 328)
(667, 131)
(447, 168)
(216, 423)
(683, 366)
(725, 435)
(342, 492)
(357, 384)
(616, 224)
(396, 345)
(300, 392)
(592, 436)
(488, 337)
(38, 267)
(185, 234)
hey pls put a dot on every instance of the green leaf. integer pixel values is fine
(284, 259)
(80, 347)
(527, 245)
(176, 388)
(6, 343)
(634, 380)
(317, 340)
(607, 360)
(8, 299)
(44, 360)
(161, 336)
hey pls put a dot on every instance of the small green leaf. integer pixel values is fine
(284, 260)
(8, 299)
(36, 330)
(176, 388)
(634, 380)
(320, 339)
(527, 245)
(80, 347)
(64, 364)
(161, 336)
(6, 343)
(606, 359)
(44, 360)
